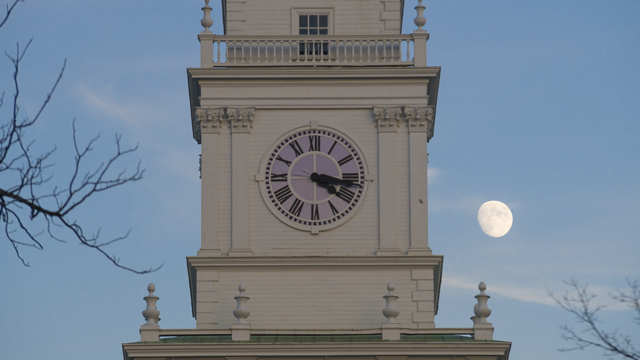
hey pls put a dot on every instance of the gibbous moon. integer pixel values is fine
(495, 218)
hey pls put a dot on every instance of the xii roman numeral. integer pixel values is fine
(315, 213)
(314, 143)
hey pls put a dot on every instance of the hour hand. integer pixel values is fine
(330, 188)
(332, 180)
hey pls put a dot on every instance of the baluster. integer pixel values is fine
(368, 51)
(313, 52)
(250, 51)
(386, 57)
(290, 46)
(259, 42)
(376, 46)
(408, 49)
(219, 44)
(281, 51)
(353, 51)
(330, 45)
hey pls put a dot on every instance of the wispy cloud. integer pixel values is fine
(538, 295)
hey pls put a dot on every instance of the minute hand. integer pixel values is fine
(331, 180)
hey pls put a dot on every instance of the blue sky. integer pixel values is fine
(537, 108)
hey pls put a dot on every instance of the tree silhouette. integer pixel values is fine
(32, 207)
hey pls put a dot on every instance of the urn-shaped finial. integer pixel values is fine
(420, 20)
(151, 313)
(390, 312)
(206, 20)
(481, 309)
(241, 313)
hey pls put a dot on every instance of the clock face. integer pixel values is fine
(314, 179)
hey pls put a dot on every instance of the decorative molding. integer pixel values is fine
(420, 119)
(387, 118)
(207, 120)
(240, 119)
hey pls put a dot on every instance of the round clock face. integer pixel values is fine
(314, 178)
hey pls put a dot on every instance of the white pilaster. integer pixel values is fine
(387, 119)
(419, 123)
(240, 122)
(208, 122)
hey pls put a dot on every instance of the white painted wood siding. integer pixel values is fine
(351, 17)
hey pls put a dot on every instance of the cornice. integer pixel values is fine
(310, 349)
(321, 73)
(328, 262)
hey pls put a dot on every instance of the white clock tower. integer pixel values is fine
(314, 119)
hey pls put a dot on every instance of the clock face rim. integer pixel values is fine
(344, 215)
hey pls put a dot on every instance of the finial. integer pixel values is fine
(206, 20)
(390, 312)
(241, 313)
(480, 309)
(420, 21)
(151, 313)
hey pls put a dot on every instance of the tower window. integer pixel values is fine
(313, 25)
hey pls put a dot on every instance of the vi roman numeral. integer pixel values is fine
(314, 143)
(315, 212)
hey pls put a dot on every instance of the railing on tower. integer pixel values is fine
(313, 50)
(303, 50)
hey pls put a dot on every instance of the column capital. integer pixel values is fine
(240, 119)
(207, 120)
(420, 119)
(387, 118)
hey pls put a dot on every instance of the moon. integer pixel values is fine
(495, 218)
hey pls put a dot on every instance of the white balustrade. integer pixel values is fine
(301, 50)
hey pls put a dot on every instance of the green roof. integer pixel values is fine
(316, 338)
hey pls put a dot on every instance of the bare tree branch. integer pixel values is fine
(593, 335)
(28, 200)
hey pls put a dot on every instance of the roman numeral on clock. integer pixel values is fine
(345, 160)
(283, 194)
(314, 143)
(279, 158)
(296, 148)
(296, 207)
(315, 213)
(333, 208)
(350, 176)
(279, 177)
(345, 194)
(332, 146)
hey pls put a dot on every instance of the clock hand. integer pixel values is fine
(330, 188)
(331, 180)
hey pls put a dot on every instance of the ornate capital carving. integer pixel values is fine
(420, 119)
(207, 120)
(387, 119)
(240, 119)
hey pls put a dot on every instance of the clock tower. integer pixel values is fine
(314, 119)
